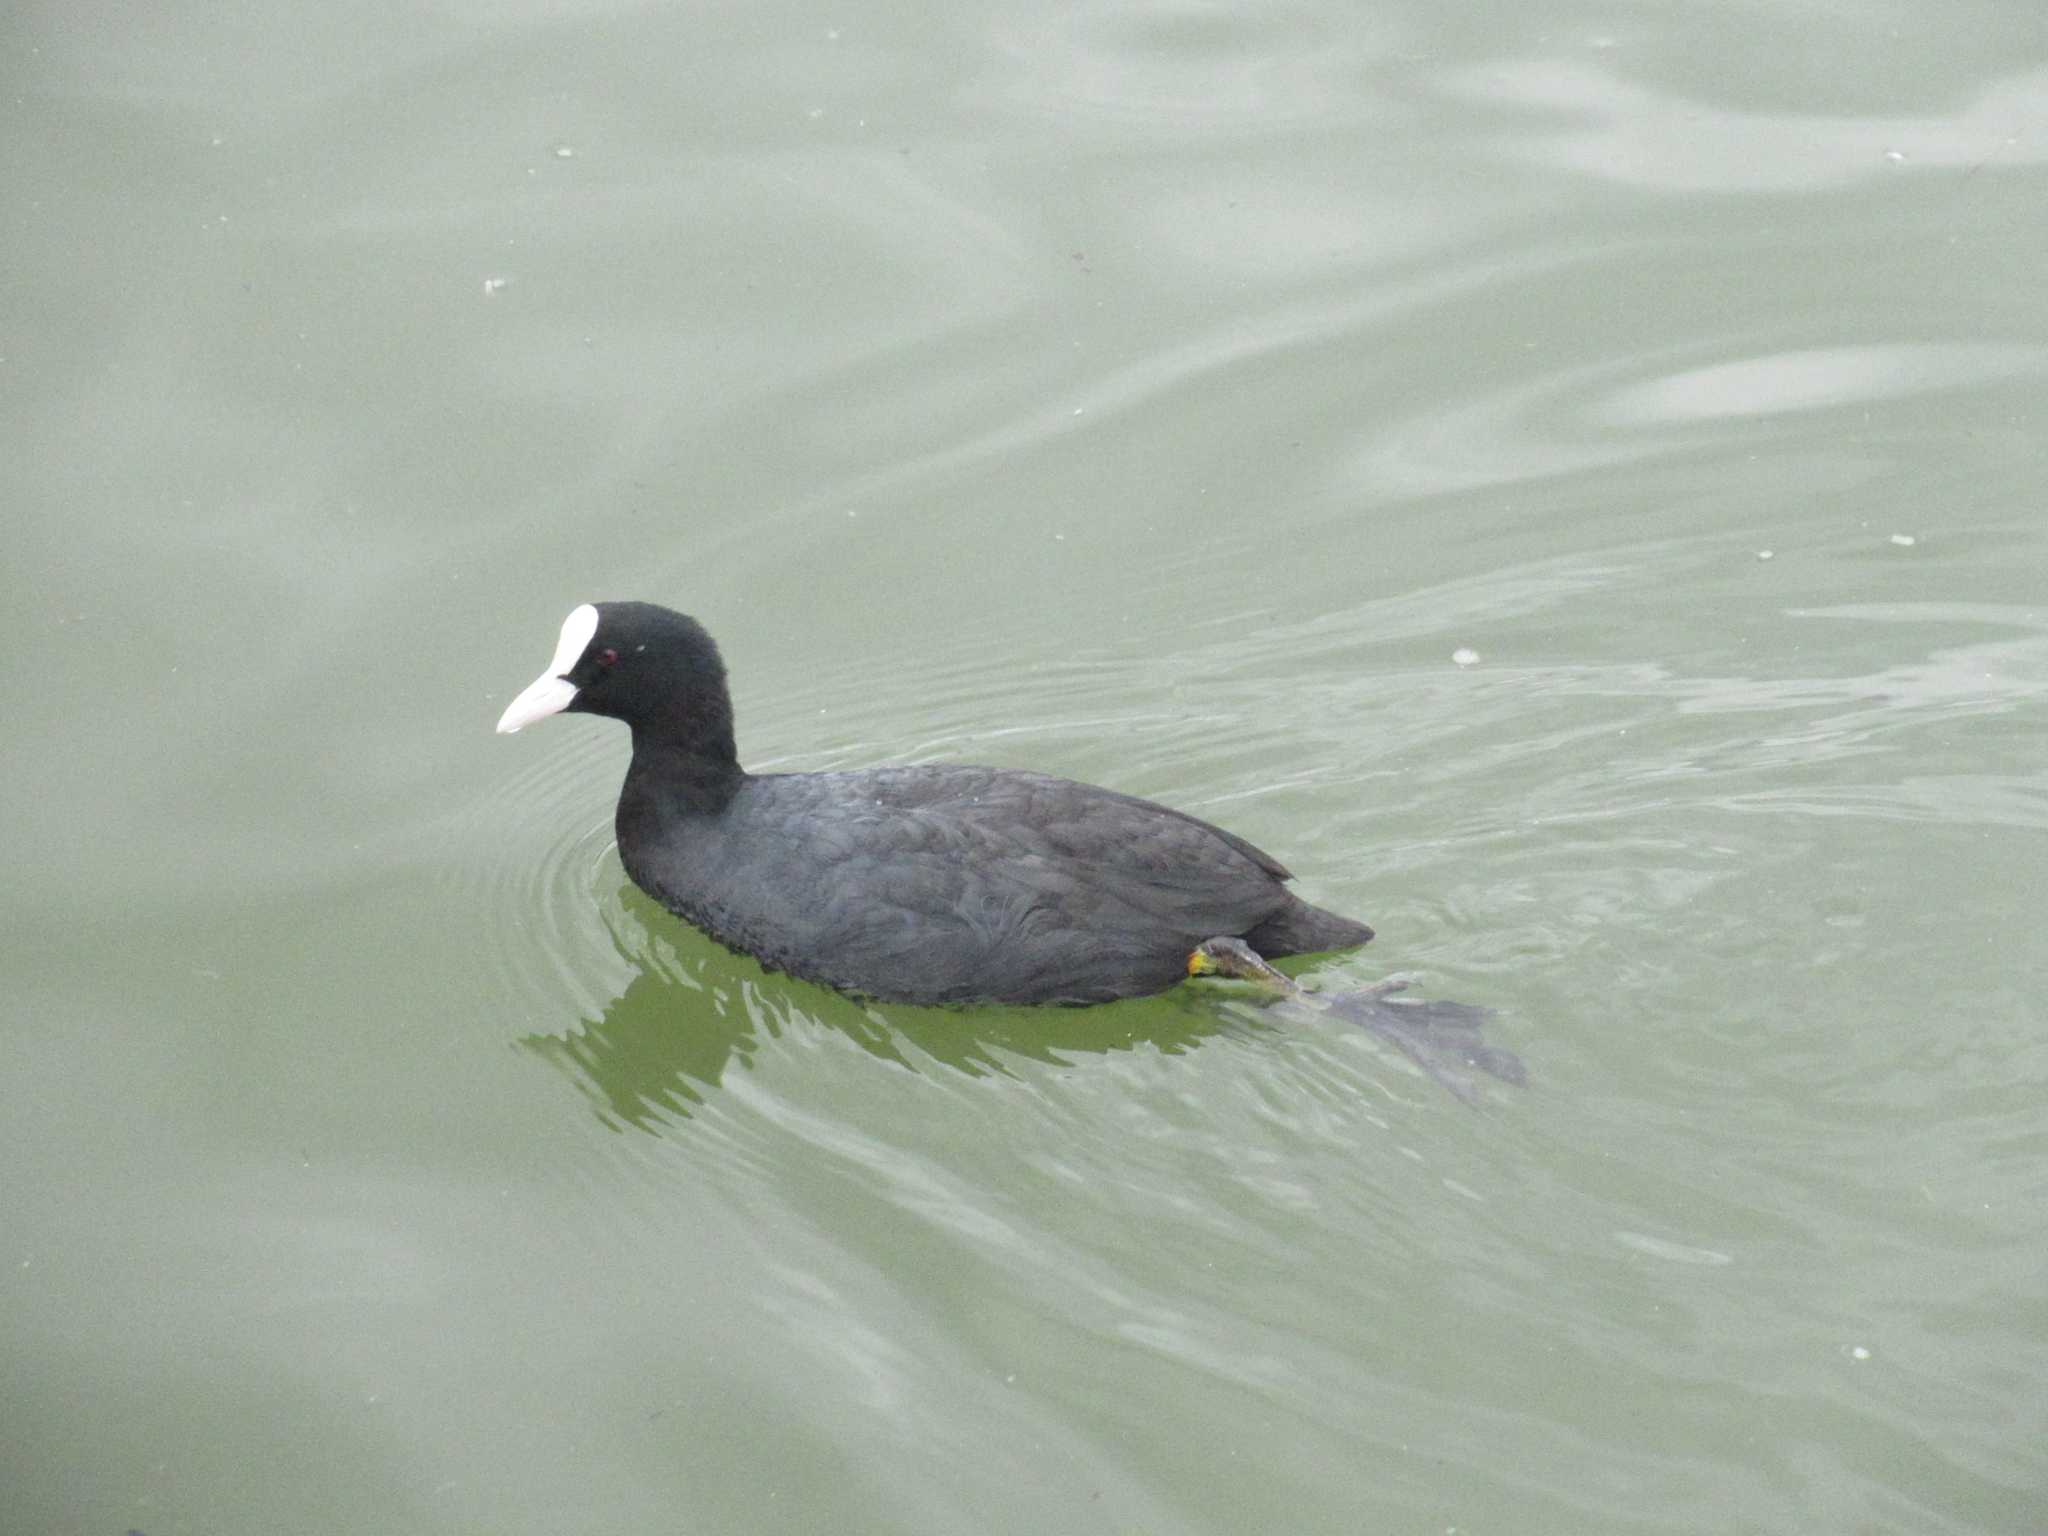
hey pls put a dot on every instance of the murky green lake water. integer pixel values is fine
(1569, 480)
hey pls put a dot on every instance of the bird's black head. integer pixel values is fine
(654, 668)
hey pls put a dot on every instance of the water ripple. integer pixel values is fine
(540, 873)
(1658, 140)
(1183, 71)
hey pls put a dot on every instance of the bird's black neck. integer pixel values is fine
(697, 777)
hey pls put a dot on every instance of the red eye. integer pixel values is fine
(607, 657)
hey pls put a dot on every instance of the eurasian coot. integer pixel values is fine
(934, 884)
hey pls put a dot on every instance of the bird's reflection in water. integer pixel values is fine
(664, 1044)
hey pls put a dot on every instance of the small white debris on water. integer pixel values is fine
(565, 152)
(1465, 656)
(1766, 554)
(493, 284)
(1896, 156)
(1858, 1352)
(1904, 540)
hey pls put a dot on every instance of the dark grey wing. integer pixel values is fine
(954, 884)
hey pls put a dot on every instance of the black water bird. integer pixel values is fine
(935, 884)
